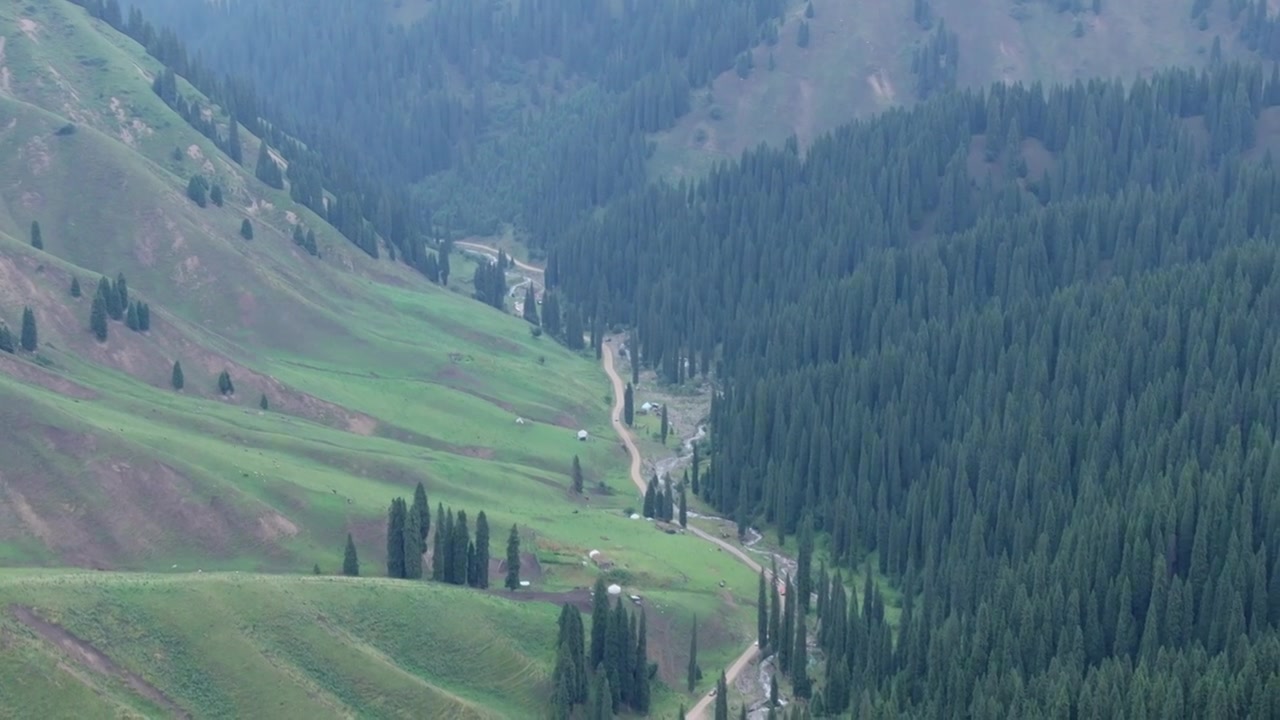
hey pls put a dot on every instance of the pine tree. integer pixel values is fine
(98, 319)
(6, 339)
(800, 659)
(722, 698)
(601, 696)
(684, 501)
(640, 668)
(350, 563)
(665, 427)
(438, 550)
(234, 150)
(693, 673)
(650, 498)
(804, 567)
(122, 294)
(576, 473)
(513, 560)
(458, 545)
(395, 539)
(267, 170)
(176, 379)
(628, 405)
(29, 333)
(762, 615)
(144, 317)
(315, 569)
(215, 194)
(530, 309)
(225, 386)
(197, 190)
(263, 403)
(37, 240)
(775, 608)
(422, 509)
(412, 540)
(480, 574)
(131, 317)
(75, 287)
(599, 620)
(246, 229)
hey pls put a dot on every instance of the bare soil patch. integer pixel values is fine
(88, 656)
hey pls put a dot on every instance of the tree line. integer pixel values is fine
(609, 674)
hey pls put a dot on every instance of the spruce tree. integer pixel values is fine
(234, 151)
(684, 511)
(395, 539)
(665, 427)
(98, 318)
(513, 560)
(762, 615)
(6, 339)
(650, 498)
(225, 386)
(267, 170)
(412, 540)
(350, 563)
(122, 293)
(576, 473)
(37, 240)
(692, 677)
(722, 698)
(530, 309)
(263, 403)
(804, 566)
(640, 669)
(197, 190)
(599, 620)
(246, 229)
(800, 659)
(144, 317)
(75, 287)
(29, 333)
(176, 379)
(423, 510)
(215, 194)
(628, 405)
(131, 317)
(438, 550)
(480, 573)
(458, 547)
(601, 697)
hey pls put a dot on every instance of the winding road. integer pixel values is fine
(637, 476)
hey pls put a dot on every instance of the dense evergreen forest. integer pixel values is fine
(531, 112)
(1017, 350)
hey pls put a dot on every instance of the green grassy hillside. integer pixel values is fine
(858, 62)
(130, 645)
(375, 380)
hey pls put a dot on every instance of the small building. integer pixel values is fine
(582, 435)
(615, 590)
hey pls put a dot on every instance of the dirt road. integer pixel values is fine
(637, 477)
(493, 253)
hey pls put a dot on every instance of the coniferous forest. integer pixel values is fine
(1013, 349)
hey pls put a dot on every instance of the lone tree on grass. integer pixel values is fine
(197, 190)
(692, 678)
(28, 330)
(75, 287)
(577, 475)
(666, 427)
(263, 403)
(6, 339)
(350, 563)
(246, 229)
(225, 385)
(513, 559)
(628, 405)
(177, 380)
(37, 240)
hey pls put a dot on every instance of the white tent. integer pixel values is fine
(582, 435)
(615, 589)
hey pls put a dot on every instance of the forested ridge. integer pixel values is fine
(1016, 349)
(532, 112)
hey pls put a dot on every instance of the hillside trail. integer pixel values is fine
(636, 473)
